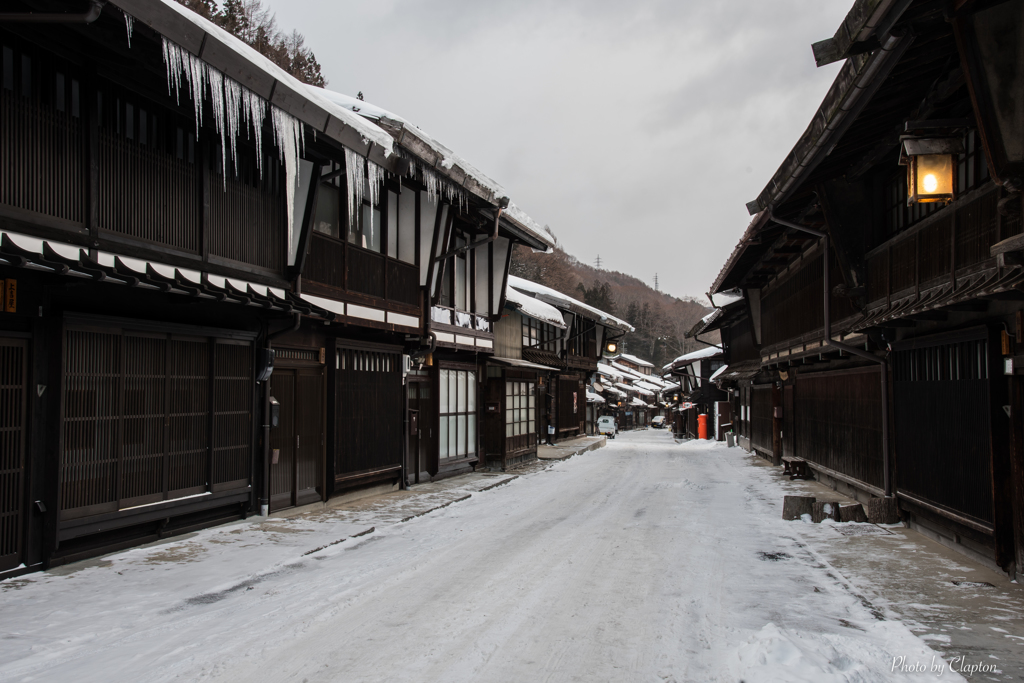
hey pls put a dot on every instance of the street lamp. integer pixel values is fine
(931, 168)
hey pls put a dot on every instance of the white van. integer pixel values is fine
(606, 425)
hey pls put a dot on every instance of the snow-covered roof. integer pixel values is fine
(723, 299)
(534, 308)
(624, 387)
(638, 403)
(327, 112)
(637, 361)
(708, 352)
(642, 391)
(254, 60)
(718, 372)
(556, 298)
(447, 159)
(594, 398)
(606, 369)
(647, 385)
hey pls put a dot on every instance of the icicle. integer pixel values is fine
(172, 60)
(289, 137)
(437, 189)
(356, 176)
(231, 102)
(129, 22)
(217, 104)
(431, 181)
(254, 110)
(375, 176)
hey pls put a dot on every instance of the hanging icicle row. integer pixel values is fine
(234, 107)
(356, 176)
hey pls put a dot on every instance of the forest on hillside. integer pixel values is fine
(661, 320)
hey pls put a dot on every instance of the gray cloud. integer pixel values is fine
(628, 127)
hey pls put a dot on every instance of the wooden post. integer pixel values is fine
(852, 513)
(776, 428)
(1000, 427)
(793, 507)
(823, 509)
(883, 511)
(1017, 469)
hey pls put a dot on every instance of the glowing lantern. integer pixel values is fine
(931, 168)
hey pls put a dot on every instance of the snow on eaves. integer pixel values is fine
(708, 352)
(723, 299)
(447, 157)
(534, 308)
(633, 359)
(606, 369)
(718, 372)
(368, 130)
(556, 298)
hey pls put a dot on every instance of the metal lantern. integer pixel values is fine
(931, 168)
(611, 348)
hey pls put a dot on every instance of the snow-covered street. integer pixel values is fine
(646, 560)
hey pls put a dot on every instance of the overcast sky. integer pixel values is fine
(636, 129)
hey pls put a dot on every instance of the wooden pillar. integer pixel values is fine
(1017, 469)
(776, 426)
(1000, 427)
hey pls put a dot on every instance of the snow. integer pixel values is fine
(636, 360)
(723, 299)
(436, 186)
(717, 372)
(534, 308)
(708, 352)
(592, 397)
(645, 560)
(369, 131)
(606, 369)
(556, 298)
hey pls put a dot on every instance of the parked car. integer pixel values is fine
(658, 422)
(606, 425)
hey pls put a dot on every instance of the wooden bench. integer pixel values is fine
(796, 468)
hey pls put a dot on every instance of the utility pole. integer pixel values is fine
(656, 283)
(598, 261)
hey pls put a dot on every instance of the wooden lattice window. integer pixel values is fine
(457, 405)
(520, 408)
(137, 417)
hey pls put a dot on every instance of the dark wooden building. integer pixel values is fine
(189, 235)
(882, 310)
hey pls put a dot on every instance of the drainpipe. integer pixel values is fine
(265, 497)
(883, 365)
(87, 17)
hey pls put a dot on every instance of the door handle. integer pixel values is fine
(296, 441)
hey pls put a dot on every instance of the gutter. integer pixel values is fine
(87, 17)
(883, 365)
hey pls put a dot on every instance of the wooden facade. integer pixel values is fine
(537, 380)
(157, 266)
(914, 394)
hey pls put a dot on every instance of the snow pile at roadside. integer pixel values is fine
(886, 651)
